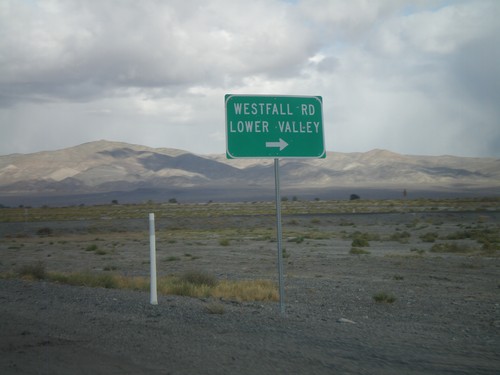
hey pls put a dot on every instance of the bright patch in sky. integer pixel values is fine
(414, 77)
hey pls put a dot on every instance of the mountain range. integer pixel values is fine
(101, 171)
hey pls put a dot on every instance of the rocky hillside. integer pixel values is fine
(102, 166)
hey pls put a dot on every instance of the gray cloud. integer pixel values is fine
(412, 77)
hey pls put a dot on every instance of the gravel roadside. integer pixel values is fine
(330, 326)
(445, 319)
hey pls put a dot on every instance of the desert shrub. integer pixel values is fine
(191, 256)
(224, 242)
(92, 247)
(247, 290)
(360, 242)
(243, 290)
(360, 239)
(199, 278)
(469, 266)
(413, 224)
(105, 281)
(450, 247)
(344, 223)
(97, 280)
(33, 271)
(460, 235)
(401, 237)
(366, 236)
(489, 247)
(383, 297)
(192, 284)
(429, 237)
(418, 251)
(187, 290)
(298, 239)
(84, 279)
(44, 232)
(488, 238)
(172, 258)
(358, 251)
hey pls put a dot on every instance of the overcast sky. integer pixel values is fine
(413, 77)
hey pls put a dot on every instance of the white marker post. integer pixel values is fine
(152, 259)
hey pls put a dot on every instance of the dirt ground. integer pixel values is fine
(445, 318)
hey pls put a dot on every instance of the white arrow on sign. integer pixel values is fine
(281, 144)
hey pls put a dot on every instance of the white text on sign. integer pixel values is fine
(268, 126)
(262, 126)
(284, 126)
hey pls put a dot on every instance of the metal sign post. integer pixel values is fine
(277, 127)
(279, 235)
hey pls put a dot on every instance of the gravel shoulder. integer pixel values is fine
(445, 320)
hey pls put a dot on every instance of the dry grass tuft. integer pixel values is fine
(247, 290)
(193, 284)
(34, 271)
(383, 297)
(358, 251)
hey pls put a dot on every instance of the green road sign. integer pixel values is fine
(262, 126)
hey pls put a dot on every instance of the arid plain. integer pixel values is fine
(400, 286)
